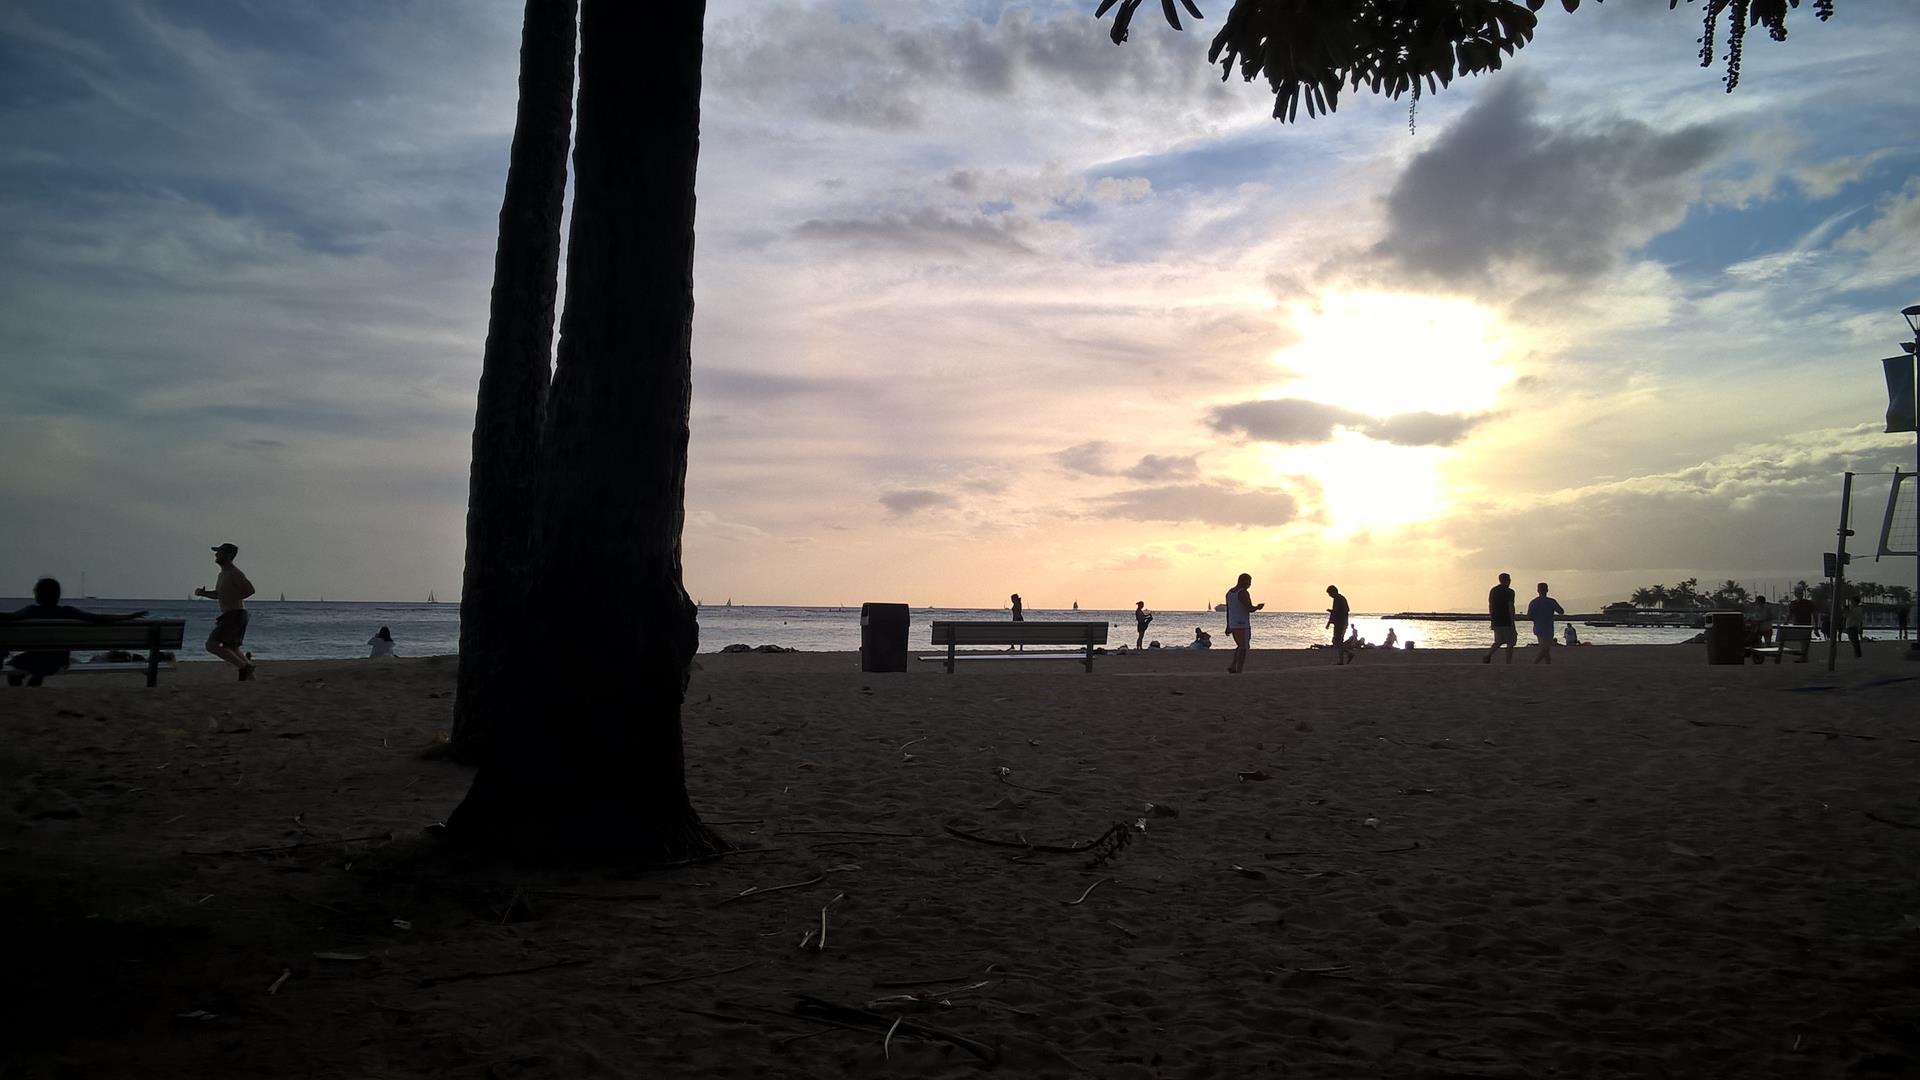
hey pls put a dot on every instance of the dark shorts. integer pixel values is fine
(1339, 630)
(1505, 635)
(230, 629)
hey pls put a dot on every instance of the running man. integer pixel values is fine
(1240, 609)
(1500, 611)
(230, 629)
(1542, 611)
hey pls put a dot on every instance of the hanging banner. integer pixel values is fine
(1899, 392)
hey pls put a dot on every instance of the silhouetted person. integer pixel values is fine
(1901, 616)
(1201, 639)
(1856, 625)
(1018, 616)
(230, 628)
(1392, 639)
(381, 644)
(1337, 618)
(1142, 618)
(34, 666)
(1800, 611)
(1500, 614)
(1240, 609)
(1542, 611)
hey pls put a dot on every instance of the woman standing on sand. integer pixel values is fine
(1142, 618)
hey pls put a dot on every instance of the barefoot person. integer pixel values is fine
(1240, 609)
(1541, 611)
(1142, 618)
(1337, 616)
(230, 629)
(1500, 611)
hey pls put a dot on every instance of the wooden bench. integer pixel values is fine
(66, 635)
(1784, 635)
(954, 634)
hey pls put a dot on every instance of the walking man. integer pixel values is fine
(1142, 618)
(1240, 609)
(230, 628)
(1500, 611)
(1542, 611)
(1337, 618)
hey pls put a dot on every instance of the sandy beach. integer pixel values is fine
(1626, 864)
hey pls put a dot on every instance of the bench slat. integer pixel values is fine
(1019, 633)
(69, 635)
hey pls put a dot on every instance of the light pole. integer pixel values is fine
(1912, 315)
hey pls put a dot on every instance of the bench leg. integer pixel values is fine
(153, 657)
(1089, 659)
(949, 657)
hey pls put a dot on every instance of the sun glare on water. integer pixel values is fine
(1380, 355)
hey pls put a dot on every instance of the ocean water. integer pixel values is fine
(327, 630)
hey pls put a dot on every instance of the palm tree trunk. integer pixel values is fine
(513, 379)
(593, 765)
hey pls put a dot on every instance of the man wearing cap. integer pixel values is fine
(230, 629)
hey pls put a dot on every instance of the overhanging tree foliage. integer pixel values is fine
(1309, 49)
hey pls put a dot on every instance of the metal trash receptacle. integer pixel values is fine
(1726, 638)
(883, 637)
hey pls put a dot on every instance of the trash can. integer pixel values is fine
(1726, 638)
(883, 637)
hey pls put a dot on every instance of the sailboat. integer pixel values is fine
(729, 601)
(283, 598)
(84, 594)
(430, 598)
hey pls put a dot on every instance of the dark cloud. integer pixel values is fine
(913, 500)
(920, 232)
(1283, 420)
(1090, 458)
(1203, 503)
(1158, 467)
(1500, 187)
(1421, 428)
(1294, 421)
(818, 61)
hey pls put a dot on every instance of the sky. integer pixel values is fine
(985, 304)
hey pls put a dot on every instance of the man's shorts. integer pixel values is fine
(1543, 638)
(1505, 635)
(230, 629)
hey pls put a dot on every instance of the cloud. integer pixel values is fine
(1502, 189)
(910, 501)
(1289, 421)
(1215, 503)
(923, 231)
(1294, 422)
(826, 63)
(1421, 428)
(1158, 467)
(1089, 458)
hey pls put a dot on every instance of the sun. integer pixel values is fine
(1379, 355)
(1384, 353)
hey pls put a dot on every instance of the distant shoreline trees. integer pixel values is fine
(1686, 595)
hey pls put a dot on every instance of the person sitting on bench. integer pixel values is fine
(36, 666)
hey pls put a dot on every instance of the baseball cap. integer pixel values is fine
(228, 549)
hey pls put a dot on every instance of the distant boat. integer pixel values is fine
(84, 594)
(729, 601)
(283, 598)
(430, 598)
(1076, 605)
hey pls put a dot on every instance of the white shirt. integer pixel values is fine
(1239, 611)
(381, 647)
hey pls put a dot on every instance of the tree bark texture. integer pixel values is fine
(513, 380)
(593, 764)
